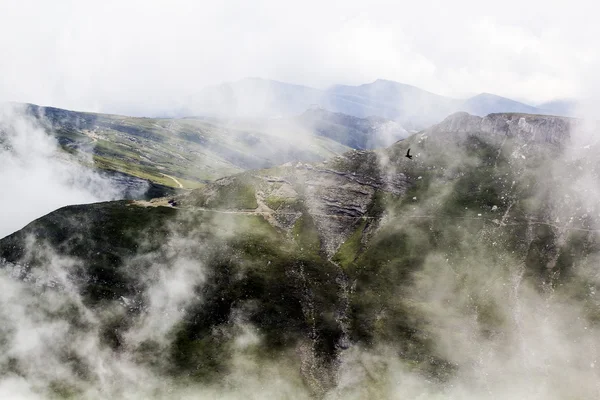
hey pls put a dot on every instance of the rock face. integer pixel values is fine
(335, 195)
(536, 128)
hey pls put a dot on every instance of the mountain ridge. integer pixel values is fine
(411, 106)
(197, 150)
(365, 252)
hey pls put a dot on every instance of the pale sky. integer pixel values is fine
(149, 57)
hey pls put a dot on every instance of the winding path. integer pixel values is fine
(175, 179)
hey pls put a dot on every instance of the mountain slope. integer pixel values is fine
(412, 107)
(354, 132)
(409, 105)
(568, 108)
(255, 98)
(486, 103)
(190, 151)
(179, 152)
(436, 269)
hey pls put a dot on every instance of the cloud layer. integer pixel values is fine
(148, 58)
(36, 177)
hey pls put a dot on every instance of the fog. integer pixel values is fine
(37, 177)
(150, 58)
(504, 333)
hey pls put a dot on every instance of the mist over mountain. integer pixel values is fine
(486, 103)
(357, 133)
(317, 200)
(568, 108)
(193, 151)
(412, 107)
(466, 272)
(85, 157)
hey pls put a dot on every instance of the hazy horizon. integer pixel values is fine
(145, 58)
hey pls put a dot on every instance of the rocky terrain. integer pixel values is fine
(367, 275)
(529, 128)
(193, 151)
(188, 152)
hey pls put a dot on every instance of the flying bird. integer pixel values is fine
(408, 154)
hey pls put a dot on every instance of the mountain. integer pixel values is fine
(354, 132)
(409, 105)
(188, 152)
(366, 275)
(567, 108)
(486, 103)
(539, 129)
(255, 98)
(412, 107)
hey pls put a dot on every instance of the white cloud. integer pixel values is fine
(147, 57)
(36, 177)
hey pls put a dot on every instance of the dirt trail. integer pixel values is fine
(174, 179)
(266, 213)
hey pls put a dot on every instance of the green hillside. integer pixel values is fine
(426, 262)
(180, 152)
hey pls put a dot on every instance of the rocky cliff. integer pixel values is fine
(526, 127)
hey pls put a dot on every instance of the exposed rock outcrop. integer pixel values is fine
(528, 127)
(335, 194)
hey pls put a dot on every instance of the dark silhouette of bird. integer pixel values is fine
(408, 154)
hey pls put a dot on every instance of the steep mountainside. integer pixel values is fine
(367, 275)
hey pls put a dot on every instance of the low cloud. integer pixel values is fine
(157, 55)
(36, 177)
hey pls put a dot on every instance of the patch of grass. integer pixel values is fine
(63, 390)
(235, 195)
(150, 174)
(349, 250)
(305, 234)
(276, 203)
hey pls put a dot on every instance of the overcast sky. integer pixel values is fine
(146, 57)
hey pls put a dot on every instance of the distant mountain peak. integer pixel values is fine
(388, 82)
(486, 95)
(413, 107)
(488, 103)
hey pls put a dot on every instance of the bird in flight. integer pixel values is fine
(408, 154)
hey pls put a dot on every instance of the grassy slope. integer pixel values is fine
(273, 275)
(193, 151)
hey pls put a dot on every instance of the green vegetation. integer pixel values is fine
(277, 203)
(305, 234)
(194, 151)
(472, 218)
(147, 173)
(348, 251)
(110, 234)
